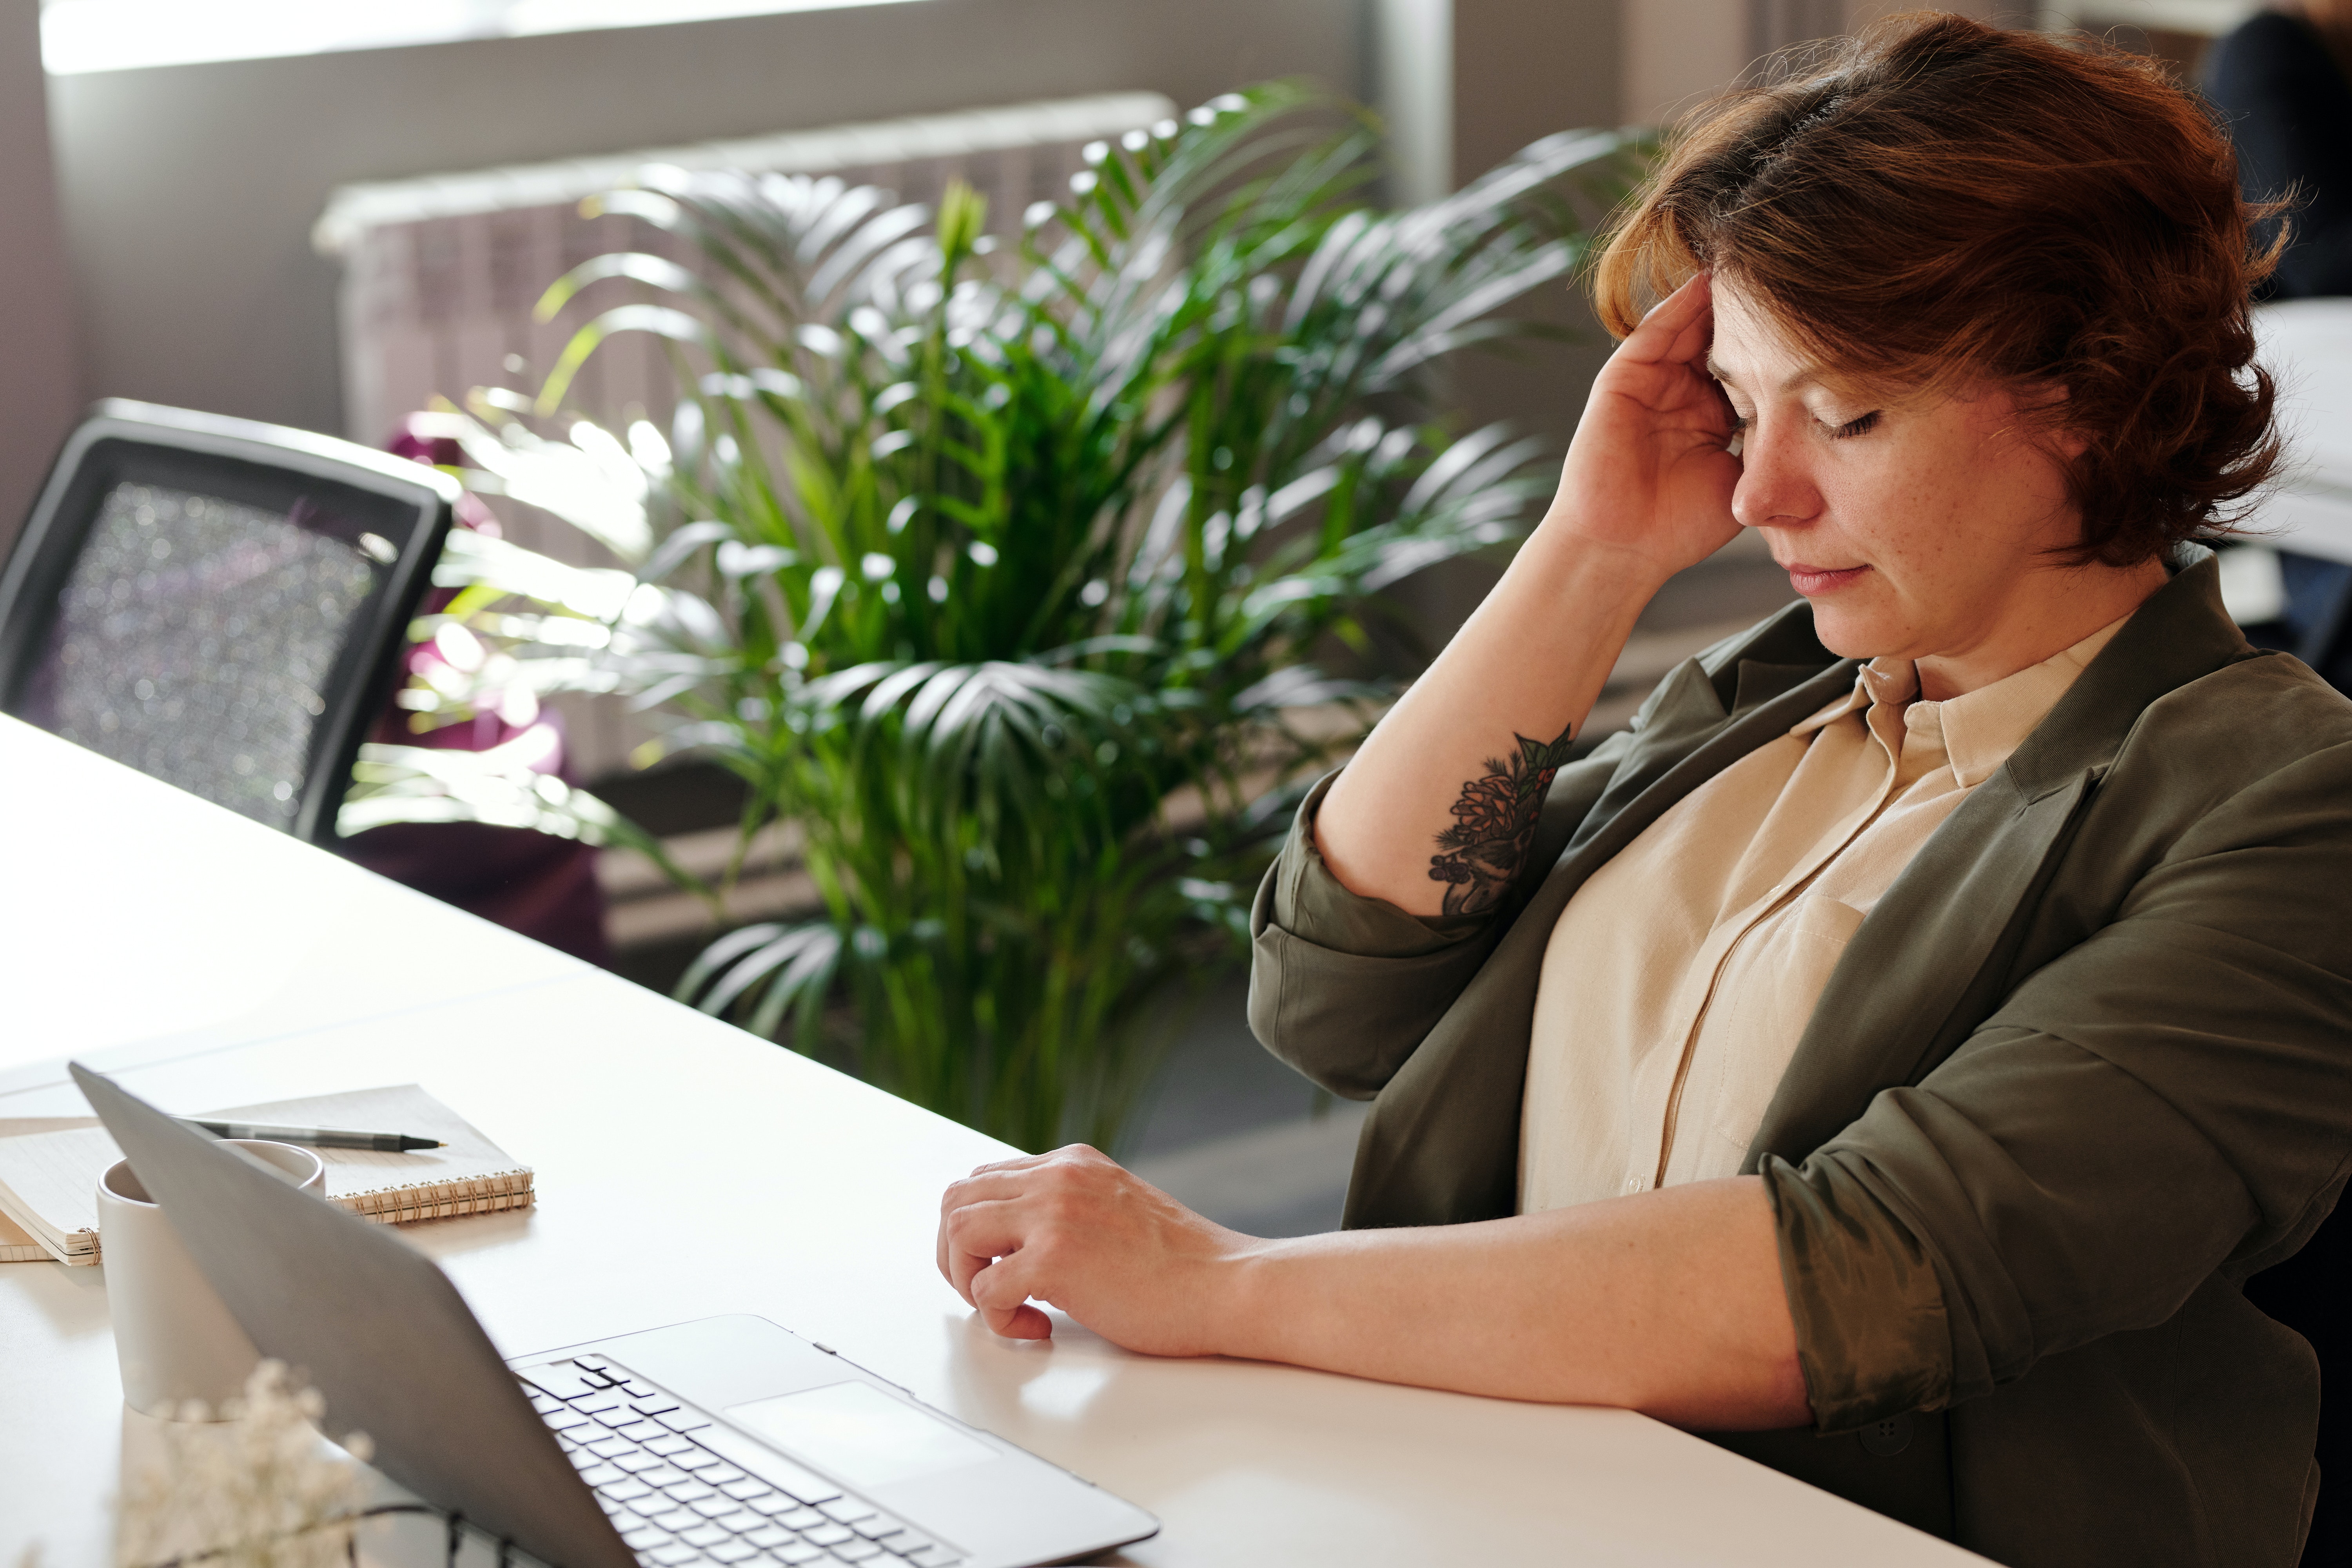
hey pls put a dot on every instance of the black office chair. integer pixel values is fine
(219, 604)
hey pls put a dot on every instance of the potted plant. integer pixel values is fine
(1006, 571)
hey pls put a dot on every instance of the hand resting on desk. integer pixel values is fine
(1669, 1302)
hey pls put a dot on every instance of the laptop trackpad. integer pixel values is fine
(861, 1433)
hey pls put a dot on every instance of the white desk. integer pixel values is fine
(2307, 345)
(687, 1169)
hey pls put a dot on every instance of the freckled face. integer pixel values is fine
(1913, 525)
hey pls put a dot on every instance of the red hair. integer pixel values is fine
(1937, 202)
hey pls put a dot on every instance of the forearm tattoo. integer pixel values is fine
(1494, 826)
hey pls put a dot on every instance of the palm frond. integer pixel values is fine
(1004, 568)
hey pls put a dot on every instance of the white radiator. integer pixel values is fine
(440, 274)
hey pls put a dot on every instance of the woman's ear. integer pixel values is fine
(2044, 403)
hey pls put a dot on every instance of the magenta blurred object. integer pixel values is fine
(543, 886)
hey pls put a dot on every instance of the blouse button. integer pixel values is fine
(1632, 1183)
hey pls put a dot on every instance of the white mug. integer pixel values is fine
(175, 1340)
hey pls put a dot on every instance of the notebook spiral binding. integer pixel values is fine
(494, 1193)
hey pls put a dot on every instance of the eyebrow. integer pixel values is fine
(1804, 373)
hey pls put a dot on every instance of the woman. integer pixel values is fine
(1898, 1047)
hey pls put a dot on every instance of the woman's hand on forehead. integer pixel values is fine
(1649, 473)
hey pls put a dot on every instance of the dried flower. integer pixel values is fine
(260, 1489)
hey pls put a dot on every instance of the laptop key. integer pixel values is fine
(639, 1428)
(570, 1421)
(731, 1552)
(773, 1504)
(597, 1403)
(713, 1506)
(742, 1486)
(741, 1521)
(663, 1475)
(856, 1551)
(794, 1556)
(801, 1518)
(600, 1473)
(877, 1527)
(688, 1490)
(669, 1443)
(675, 1555)
(703, 1534)
(905, 1543)
(612, 1444)
(673, 1518)
(719, 1474)
(770, 1535)
(683, 1421)
(846, 1510)
(767, 1464)
(933, 1556)
(636, 1463)
(559, 1378)
(829, 1536)
(629, 1490)
(697, 1459)
(653, 1405)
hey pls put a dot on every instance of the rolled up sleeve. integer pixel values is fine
(1342, 987)
(2168, 1098)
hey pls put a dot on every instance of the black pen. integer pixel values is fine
(319, 1137)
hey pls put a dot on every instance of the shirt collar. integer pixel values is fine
(1982, 727)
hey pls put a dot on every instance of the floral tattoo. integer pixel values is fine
(1494, 826)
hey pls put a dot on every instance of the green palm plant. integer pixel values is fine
(1006, 571)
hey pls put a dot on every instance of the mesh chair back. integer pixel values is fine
(219, 604)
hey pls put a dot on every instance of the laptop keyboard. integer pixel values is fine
(684, 1491)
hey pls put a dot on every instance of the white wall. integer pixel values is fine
(189, 191)
(41, 386)
(1680, 51)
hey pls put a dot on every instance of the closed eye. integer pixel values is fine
(1857, 426)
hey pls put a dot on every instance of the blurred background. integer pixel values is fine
(323, 214)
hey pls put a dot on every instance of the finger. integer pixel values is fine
(1697, 334)
(1676, 328)
(1002, 1292)
(1018, 1162)
(977, 1236)
(985, 1186)
(1023, 1322)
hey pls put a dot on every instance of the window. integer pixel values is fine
(117, 35)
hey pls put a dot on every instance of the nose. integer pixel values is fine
(1775, 485)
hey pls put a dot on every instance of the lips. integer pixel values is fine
(1810, 580)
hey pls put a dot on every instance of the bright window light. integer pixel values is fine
(120, 35)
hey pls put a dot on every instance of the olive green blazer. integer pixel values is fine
(2085, 1067)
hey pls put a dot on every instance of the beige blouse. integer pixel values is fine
(1679, 979)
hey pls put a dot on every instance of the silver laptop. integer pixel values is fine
(726, 1441)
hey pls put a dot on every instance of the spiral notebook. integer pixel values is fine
(49, 1178)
